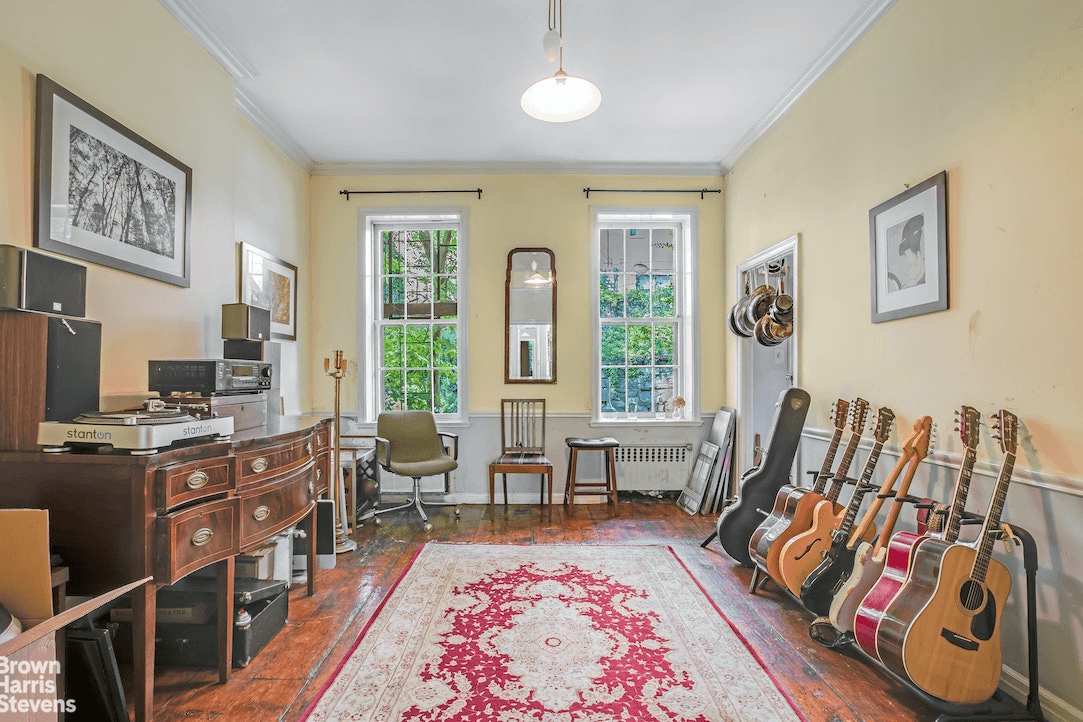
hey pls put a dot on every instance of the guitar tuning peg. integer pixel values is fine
(956, 412)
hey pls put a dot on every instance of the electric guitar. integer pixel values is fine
(873, 612)
(869, 558)
(794, 504)
(760, 484)
(805, 550)
(950, 640)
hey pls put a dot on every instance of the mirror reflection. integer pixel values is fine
(530, 312)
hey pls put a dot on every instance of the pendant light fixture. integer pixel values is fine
(562, 97)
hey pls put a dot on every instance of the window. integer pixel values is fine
(413, 325)
(645, 310)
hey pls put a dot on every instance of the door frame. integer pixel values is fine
(745, 367)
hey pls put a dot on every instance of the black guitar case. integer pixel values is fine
(760, 484)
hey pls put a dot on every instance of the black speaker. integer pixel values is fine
(243, 349)
(35, 281)
(325, 526)
(241, 321)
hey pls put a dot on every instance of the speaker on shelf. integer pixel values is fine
(240, 321)
(34, 281)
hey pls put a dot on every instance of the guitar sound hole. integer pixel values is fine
(972, 595)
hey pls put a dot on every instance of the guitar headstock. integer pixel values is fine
(839, 411)
(885, 418)
(859, 415)
(925, 436)
(968, 420)
(1006, 430)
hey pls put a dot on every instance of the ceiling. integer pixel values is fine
(384, 86)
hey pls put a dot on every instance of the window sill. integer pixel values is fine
(646, 421)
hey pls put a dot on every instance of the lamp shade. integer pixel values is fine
(561, 98)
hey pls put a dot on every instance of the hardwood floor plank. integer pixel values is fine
(280, 683)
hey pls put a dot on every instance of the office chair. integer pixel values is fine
(408, 444)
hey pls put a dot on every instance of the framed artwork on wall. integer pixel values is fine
(270, 282)
(106, 195)
(908, 252)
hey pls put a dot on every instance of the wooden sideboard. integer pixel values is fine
(117, 517)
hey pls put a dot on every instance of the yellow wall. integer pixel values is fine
(132, 61)
(993, 93)
(514, 211)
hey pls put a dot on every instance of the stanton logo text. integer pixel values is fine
(198, 430)
(89, 435)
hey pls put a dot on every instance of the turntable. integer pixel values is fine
(137, 431)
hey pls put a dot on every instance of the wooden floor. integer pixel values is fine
(827, 685)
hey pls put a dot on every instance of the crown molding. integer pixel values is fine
(185, 13)
(272, 130)
(518, 168)
(846, 40)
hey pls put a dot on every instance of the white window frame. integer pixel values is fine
(687, 301)
(370, 299)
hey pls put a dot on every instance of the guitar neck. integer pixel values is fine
(829, 459)
(855, 501)
(991, 526)
(844, 468)
(874, 509)
(962, 489)
(897, 503)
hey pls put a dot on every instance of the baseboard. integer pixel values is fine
(1054, 708)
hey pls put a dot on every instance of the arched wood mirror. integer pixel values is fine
(530, 317)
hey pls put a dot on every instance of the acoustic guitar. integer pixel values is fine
(948, 641)
(759, 485)
(869, 558)
(824, 581)
(805, 550)
(872, 612)
(793, 505)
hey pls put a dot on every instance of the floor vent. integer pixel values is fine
(654, 453)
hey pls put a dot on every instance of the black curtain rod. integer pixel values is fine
(702, 191)
(468, 190)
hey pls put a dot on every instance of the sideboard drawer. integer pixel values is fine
(255, 465)
(268, 509)
(193, 538)
(183, 483)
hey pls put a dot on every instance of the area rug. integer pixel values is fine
(550, 633)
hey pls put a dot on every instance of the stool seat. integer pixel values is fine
(608, 487)
(606, 442)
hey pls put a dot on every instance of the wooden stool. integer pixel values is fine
(608, 487)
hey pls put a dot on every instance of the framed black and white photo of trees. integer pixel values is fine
(106, 195)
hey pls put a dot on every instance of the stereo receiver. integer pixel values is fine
(208, 376)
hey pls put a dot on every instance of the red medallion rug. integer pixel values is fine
(550, 633)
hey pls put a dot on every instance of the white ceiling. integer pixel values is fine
(357, 86)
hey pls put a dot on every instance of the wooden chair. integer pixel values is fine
(522, 433)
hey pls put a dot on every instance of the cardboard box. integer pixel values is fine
(26, 592)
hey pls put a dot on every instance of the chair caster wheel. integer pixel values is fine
(458, 511)
(428, 526)
(376, 521)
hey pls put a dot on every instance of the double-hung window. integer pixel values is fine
(413, 325)
(645, 320)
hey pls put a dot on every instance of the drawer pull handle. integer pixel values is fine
(197, 480)
(202, 536)
(319, 474)
(259, 465)
(261, 513)
(308, 447)
(311, 489)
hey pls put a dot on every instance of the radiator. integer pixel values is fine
(651, 467)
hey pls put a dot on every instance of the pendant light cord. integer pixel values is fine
(556, 22)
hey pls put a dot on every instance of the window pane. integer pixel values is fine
(639, 250)
(446, 250)
(663, 344)
(613, 352)
(394, 394)
(419, 390)
(662, 249)
(639, 295)
(612, 296)
(418, 347)
(447, 392)
(662, 298)
(393, 347)
(394, 297)
(640, 390)
(419, 297)
(611, 250)
(639, 345)
(417, 253)
(663, 388)
(394, 248)
(613, 400)
(447, 295)
(445, 346)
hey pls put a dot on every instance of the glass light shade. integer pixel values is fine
(561, 98)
